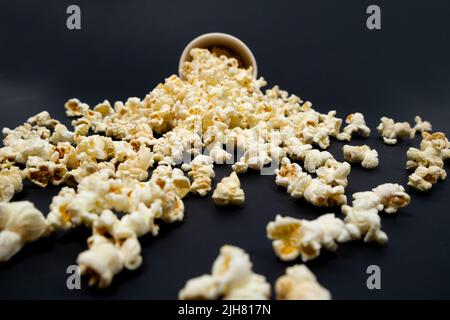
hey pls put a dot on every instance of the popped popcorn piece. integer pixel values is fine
(43, 119)
(228, 191)
(423, 178)
(391, 131)
(136, 167)
(20, 222)
(313, 159)
(10, 182)
(293, 237)
(364, 154)
(323, 195)
(231, 278)
(362, 218)
(42, 172)
(62, 134)
(218, 154)
(299, 283)
(201, 171)
(315, 191)
(74, 108)
(334, 173)
(422, 125)
(356, 124)
(392, 196)
(102, 261)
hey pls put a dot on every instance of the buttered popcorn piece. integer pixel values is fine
(293, 237)
(228, 191)
(313, 159)
(361, 154)
(20, 222)
(75, 108)
(43, 119)
(422, 125)
(334, 173)
(201, 170)
(423, 178)
(231, 278)
(362, 218)
(299, 283)
(320, 194)
(356, 124)
(42, 172)
(10, 182)
(391, 131)
(392, 196)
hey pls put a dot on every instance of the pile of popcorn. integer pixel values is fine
(180, 131)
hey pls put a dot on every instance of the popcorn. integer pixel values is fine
(299, 283)
(391, 131)
(228, 191)
(364, 154)
(362, 218)
(293, 237)
(423, 178)
(231, 278)
(356, 124)
(334, 173)
(42, 172)
(315, 191)
(138, 166)
(43, 119)
(20, 222)
(218, 154)
(392, 196)
(421, 126)
(313, 159)
(74, 108)
(201, 171)
(10, 182)
(101, 262)
(320, 194)
(62, 134)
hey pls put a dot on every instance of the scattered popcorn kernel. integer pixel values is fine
(334, 173)
(293, 237)
(313, 159)
(228, 191)
(392, 196)
(43, 119)
(423, 178)
(74, 108)
(421, 125)
(356, 124)
(299, 283)
(10, 182)
(42, 172)
(201, 171)
(391, 131)
(362, 218)
(20, 222)
(231, 278)
(361, 154)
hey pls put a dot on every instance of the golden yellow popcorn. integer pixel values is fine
(228, 191)
(20, 222)
(293, 237)
(320, 194)
(361, 154)
(299, 283)
(356, 124)
(136, 167)
(423, 178)
(391, 131)
(10, 182)
(62, 134)
(231, 278)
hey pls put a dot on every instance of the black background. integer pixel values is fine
(319, 50)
